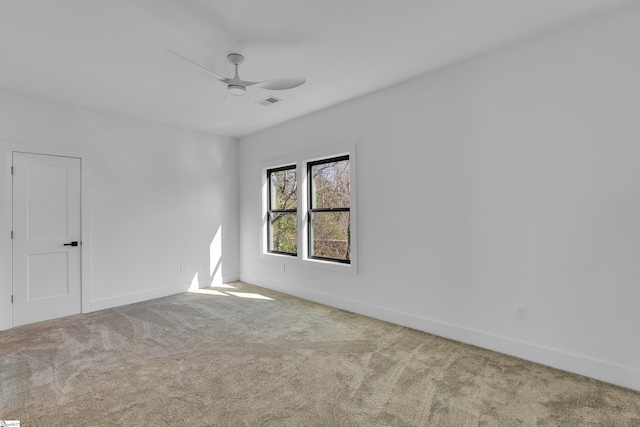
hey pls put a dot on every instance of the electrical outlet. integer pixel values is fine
(282, 268)
(521, 311)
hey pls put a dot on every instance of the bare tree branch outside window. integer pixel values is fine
(283, 207)
(330, 235)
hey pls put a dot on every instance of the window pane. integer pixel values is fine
(331, 235)
(283, 189)
(283, 232)
(330, 185)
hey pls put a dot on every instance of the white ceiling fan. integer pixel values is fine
(237, 86)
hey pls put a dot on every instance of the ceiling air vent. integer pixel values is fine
(268, 100)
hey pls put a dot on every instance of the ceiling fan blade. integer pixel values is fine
(223, 79)
(282, 84)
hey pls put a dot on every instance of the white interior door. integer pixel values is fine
(46, 223)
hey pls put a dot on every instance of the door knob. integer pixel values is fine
(71, 244)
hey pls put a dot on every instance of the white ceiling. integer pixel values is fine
(111, 54)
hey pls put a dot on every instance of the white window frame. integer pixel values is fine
(301, 161)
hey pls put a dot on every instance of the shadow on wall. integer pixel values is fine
(214, 264)
(214, 275)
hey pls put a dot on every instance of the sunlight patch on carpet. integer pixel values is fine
(208, 292)
(249, 295)
(223, 286)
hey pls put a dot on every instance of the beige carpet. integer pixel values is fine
(222, 359)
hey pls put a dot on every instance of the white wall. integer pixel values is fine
(512, 178)
(158, 196)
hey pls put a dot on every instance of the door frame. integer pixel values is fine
(6, 222)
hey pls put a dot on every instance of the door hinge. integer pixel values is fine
(11, 170)
(12, 234)
(11, 299)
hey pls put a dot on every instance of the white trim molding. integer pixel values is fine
(600, 370)
(301, 160)
(6, 223)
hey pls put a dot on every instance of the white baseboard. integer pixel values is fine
(592, 368)
(225, 279)
(230, 278)
(121, 300)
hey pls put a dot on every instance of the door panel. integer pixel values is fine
(47, 205)
(48, 275)
(46, 216)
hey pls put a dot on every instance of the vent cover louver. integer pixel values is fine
(268, 100)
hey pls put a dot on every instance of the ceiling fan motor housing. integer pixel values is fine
(235, 58)
(236, 90)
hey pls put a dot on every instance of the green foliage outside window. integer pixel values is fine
(283, 205)
(329, 212)
(330, 209)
